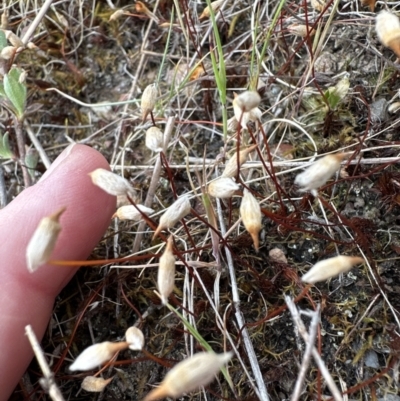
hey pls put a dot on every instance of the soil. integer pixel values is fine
(329, 92)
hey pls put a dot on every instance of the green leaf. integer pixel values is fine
(15, 91)
(335, 94)
(3, 40)
(5, 151)
(2, 91)
(332, 97)
(219, 69)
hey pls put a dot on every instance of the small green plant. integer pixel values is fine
(334, 95)
(332, 100)
(5, 150)
(13, 91)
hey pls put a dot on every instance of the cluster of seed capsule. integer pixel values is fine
(202, 367)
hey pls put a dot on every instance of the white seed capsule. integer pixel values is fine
(252, 115)
(223, 187)
(43, 241)
(250, 212)
(245, 117)
(7, 52)
(135, 338)
(95, 384)
(233, 124)
(129, 212)
(14, 39)
(117, 14)
(22, 76)
(388, 30)
(4, 20)
(247, 100)
(231, 167)
(96, 355)
(319, 172)
(190, 374)
(177, 211)
(111, 183)
(32, 46)
(166, 272)
(318, 5)
(394, 107)
(300, 30)
(385, 24)
(149, 99)
(394, 43)
(215, 6)
(329, 268)
(154, 139)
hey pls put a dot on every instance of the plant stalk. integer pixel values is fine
(21, 150)
(35, 23)
(48, 383)
(154, 182)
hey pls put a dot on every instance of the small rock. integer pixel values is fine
(389, 397)
(371, 359)
(326, 63)
(379, 110)
(359, 203)
(277, 255)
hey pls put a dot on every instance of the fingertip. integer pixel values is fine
(27, 298)
(87, 216)
(88, 209)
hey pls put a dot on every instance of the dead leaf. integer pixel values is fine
(369, 3)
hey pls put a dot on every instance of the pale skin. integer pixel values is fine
(28, 298)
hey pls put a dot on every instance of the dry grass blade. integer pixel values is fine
(48, 382)
(315, 317)
(303, 332)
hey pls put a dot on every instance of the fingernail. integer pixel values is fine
(60, 159)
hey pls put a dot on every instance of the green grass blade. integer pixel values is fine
(200, 339)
